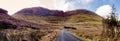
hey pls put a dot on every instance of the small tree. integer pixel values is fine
(110, 27)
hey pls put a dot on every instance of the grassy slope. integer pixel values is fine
(22, 33)
(88, 26)
(50, 36)
(40, 19)
(52, 21)
(27, 34)
(84, 18)
(33, 19)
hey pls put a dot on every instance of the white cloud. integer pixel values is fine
(55, 4)
(70, 4)
(61, 4)
(85, 2)
(104, 10)
(15, 5)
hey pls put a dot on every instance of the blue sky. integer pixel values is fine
(86, 4)
(93, 4)
(101, 7)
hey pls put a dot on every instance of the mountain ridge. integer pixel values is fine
(53, 16)
(40, 11)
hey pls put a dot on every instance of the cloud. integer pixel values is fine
(61, 4)
(55, 4)
(104, 10)
(15, 5)
(47, 3)
(71, 4)
(85, 2)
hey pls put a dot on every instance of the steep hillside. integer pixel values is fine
(40, 19)
(82, 15)
(6, 20)
(85, 24)
(79, 11)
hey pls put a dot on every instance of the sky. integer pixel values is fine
(101, 7)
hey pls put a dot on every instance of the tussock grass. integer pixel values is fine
(26, 34)
(86, 37)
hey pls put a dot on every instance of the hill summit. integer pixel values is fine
(40, 11)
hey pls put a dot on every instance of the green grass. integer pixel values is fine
(30, 18)
(40, 19)
(84, 18)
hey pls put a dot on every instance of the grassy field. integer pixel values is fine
(87, 30)
(28, 34)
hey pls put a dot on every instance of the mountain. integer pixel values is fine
(7, 21)
(82, 15)
(79, 11)
(40, 11)
(42, 15)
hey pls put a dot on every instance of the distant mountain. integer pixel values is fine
(79, 11)
(40, 11)
(42, 15)
(7, 21)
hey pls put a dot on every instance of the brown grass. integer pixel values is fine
(87, 31)
(27, 34)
